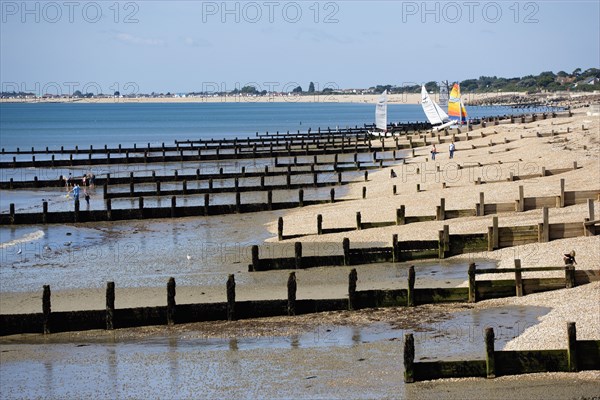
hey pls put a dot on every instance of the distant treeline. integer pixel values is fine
(577, 80)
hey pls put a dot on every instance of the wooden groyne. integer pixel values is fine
(142, 212)
(579, 355)
(446, 245)
(109, 317)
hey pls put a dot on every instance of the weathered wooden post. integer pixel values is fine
(561, 199)
(358, 221)
(490, 235)
(496, 235)
(545, 225)
(45, 212)
(409, 358)
(590, 203)
(472, 283)
(280, 228)
(298, 255)
(446, 230)
(346, 248)
(270, 200)
(490, 357)
(572, 347)
(441, 210)
(481, 205)
(394, 190)
(301, 198)
(570, 276)
(255, 258)
(231, 298)
(339, 178)
(76, 213)
(238, 201)
(518, 278)
(171, 301)
(291, 291)
(366, 176)
(401, 215)
(319, 224)
(395, 253)
(441, 251)
(206, 203)
(418, 187)
(46, 309)
(521, 203)
(352, 278)
(332, 195)
(110, 306)
(364, 192)
(131, 189)
(410, 299)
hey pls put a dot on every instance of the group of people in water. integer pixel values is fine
(72, 186)
(451, 150)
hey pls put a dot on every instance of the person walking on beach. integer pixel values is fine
(452, 148)
(433, 152)
(76, 190)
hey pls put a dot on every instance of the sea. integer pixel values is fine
(26, 125)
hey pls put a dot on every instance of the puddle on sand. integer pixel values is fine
(301, 365)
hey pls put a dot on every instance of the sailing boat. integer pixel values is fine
(434, 112)
(456, 108)
(380, 116)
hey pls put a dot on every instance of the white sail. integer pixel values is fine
(381, 112)
(434, 113)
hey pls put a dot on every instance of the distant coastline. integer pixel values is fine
(405, 98)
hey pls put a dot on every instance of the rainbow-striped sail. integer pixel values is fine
(456, 109)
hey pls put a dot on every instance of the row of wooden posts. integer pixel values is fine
(477, 290)
(580, 355)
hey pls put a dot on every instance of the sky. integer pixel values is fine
(182, 46)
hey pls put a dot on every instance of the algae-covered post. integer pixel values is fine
(518, 278)
(298, 255)
(231, 297)
(490, 359)
(472, 283)
(410, 299)
(352, 279)
(409, 358)
(46, 309)
(291, 290)
(110, 305)
(171, 301)
(572, 347)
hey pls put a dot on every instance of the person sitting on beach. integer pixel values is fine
(570, 258)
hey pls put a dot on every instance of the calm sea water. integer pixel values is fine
(68, 124)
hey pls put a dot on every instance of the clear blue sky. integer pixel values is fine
(191, 45)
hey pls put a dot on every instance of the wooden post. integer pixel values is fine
(280, 228)
(570, 276)
(346, 248)
(270, 200)
(545, 226)
(358, 221)
(255, 258)
(590, 203)
(481, 205)
(231, 298)
(45, 212)
(301, 197)
(490, 359)
(496, 235)
(401, 215)
(76, 211)
(441, 252)
(521, 207)
(441, 210)
(409, 358)
(472, 284)
(364, 192)
(394, 189)
(562, 193)
(319, 224)
(518, 278)
(298, 255)
(395, 255)
(352, 278)
(410, 300)
(108, 209)
(46, 309)
(238, 201)
(572, 347)
(446, 238)
(171, 301)
(332, 195)
(110, 306)
(291, 290)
